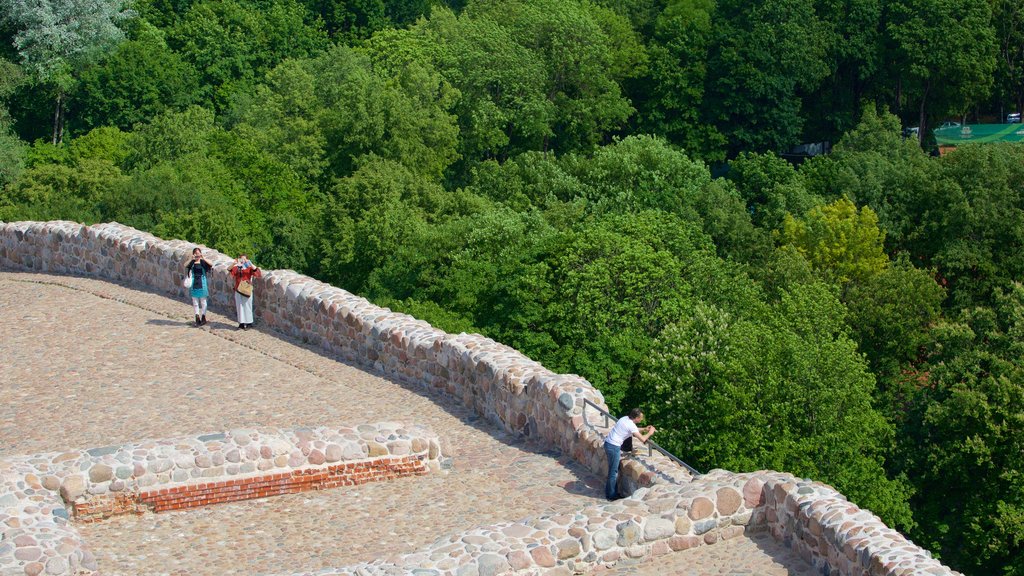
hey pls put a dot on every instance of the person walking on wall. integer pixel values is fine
(624, 428)
(243, 272)
(199, 269)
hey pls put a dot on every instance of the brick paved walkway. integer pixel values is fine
(85, 363)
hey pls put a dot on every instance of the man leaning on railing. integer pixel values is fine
(625, 427)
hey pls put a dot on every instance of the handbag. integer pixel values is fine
(244, 288)
(187, 282)
(627, 444)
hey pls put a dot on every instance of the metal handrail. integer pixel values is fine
(651, 445)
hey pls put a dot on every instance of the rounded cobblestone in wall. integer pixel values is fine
(701, 508)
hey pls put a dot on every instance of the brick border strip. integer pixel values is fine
(209, 493)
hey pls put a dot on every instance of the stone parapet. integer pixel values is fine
(834, 536)
(511, 391)
(40, 492)
(507, 388)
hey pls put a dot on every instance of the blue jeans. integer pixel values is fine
(614, 454)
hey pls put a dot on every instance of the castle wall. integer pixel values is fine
(513, 392)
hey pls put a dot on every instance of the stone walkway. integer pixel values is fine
(86, 363)
(757, 556)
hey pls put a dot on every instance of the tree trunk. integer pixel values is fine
(58, 119)
(920, 114)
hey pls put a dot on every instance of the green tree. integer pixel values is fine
(771, 188)
(784, 389)
(949, 76)
(55, 39)
(1008, 20)
(503, 106)
(670, 99)
(232, 45)
(644, 173)
(365, 110)
(891, 316)
(763, 56)
(614, 285)
(579, 62)
(67, 184)
(855, 51)
(170, 136)
(843, 243)
(349, 21)
(978, 233)
(291, 210)
(282, 120)
(963, 443)
(873, 165)
(12, 149)
(132, 84)
(371, 214)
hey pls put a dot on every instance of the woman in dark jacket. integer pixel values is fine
(199, 268)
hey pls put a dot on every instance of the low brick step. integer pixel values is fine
(238, 489)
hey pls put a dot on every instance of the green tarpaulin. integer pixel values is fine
(956, 135)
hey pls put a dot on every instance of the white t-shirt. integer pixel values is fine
(624, 428)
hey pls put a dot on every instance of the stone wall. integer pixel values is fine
(498, 382)
(37, 491)
(515, 393)
(828, 532)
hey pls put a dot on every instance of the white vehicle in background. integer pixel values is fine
(1013, 118)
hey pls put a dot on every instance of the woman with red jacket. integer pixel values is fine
(244, 271)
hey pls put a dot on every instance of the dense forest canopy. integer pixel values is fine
(598, 183)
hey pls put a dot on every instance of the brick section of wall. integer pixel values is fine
(237, 489)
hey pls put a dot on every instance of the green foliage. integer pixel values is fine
(640, 173)
(53, 37)
(404, 119)
(842, 243)
(763, 55)
(771, 188)
(170, 136)
(12, 156)
(873, 166)
(142, 78)
(281, 120)
(785, 390)
(855, 49)
(72, 189)
(232, 45)
(977, 236)
(891, 314)
(348, 21)
(533, 75)
(503, 106)
(963, 62)
(615, 285)
(963, 439)
(670, 101)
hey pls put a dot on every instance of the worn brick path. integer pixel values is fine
(86, 363)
